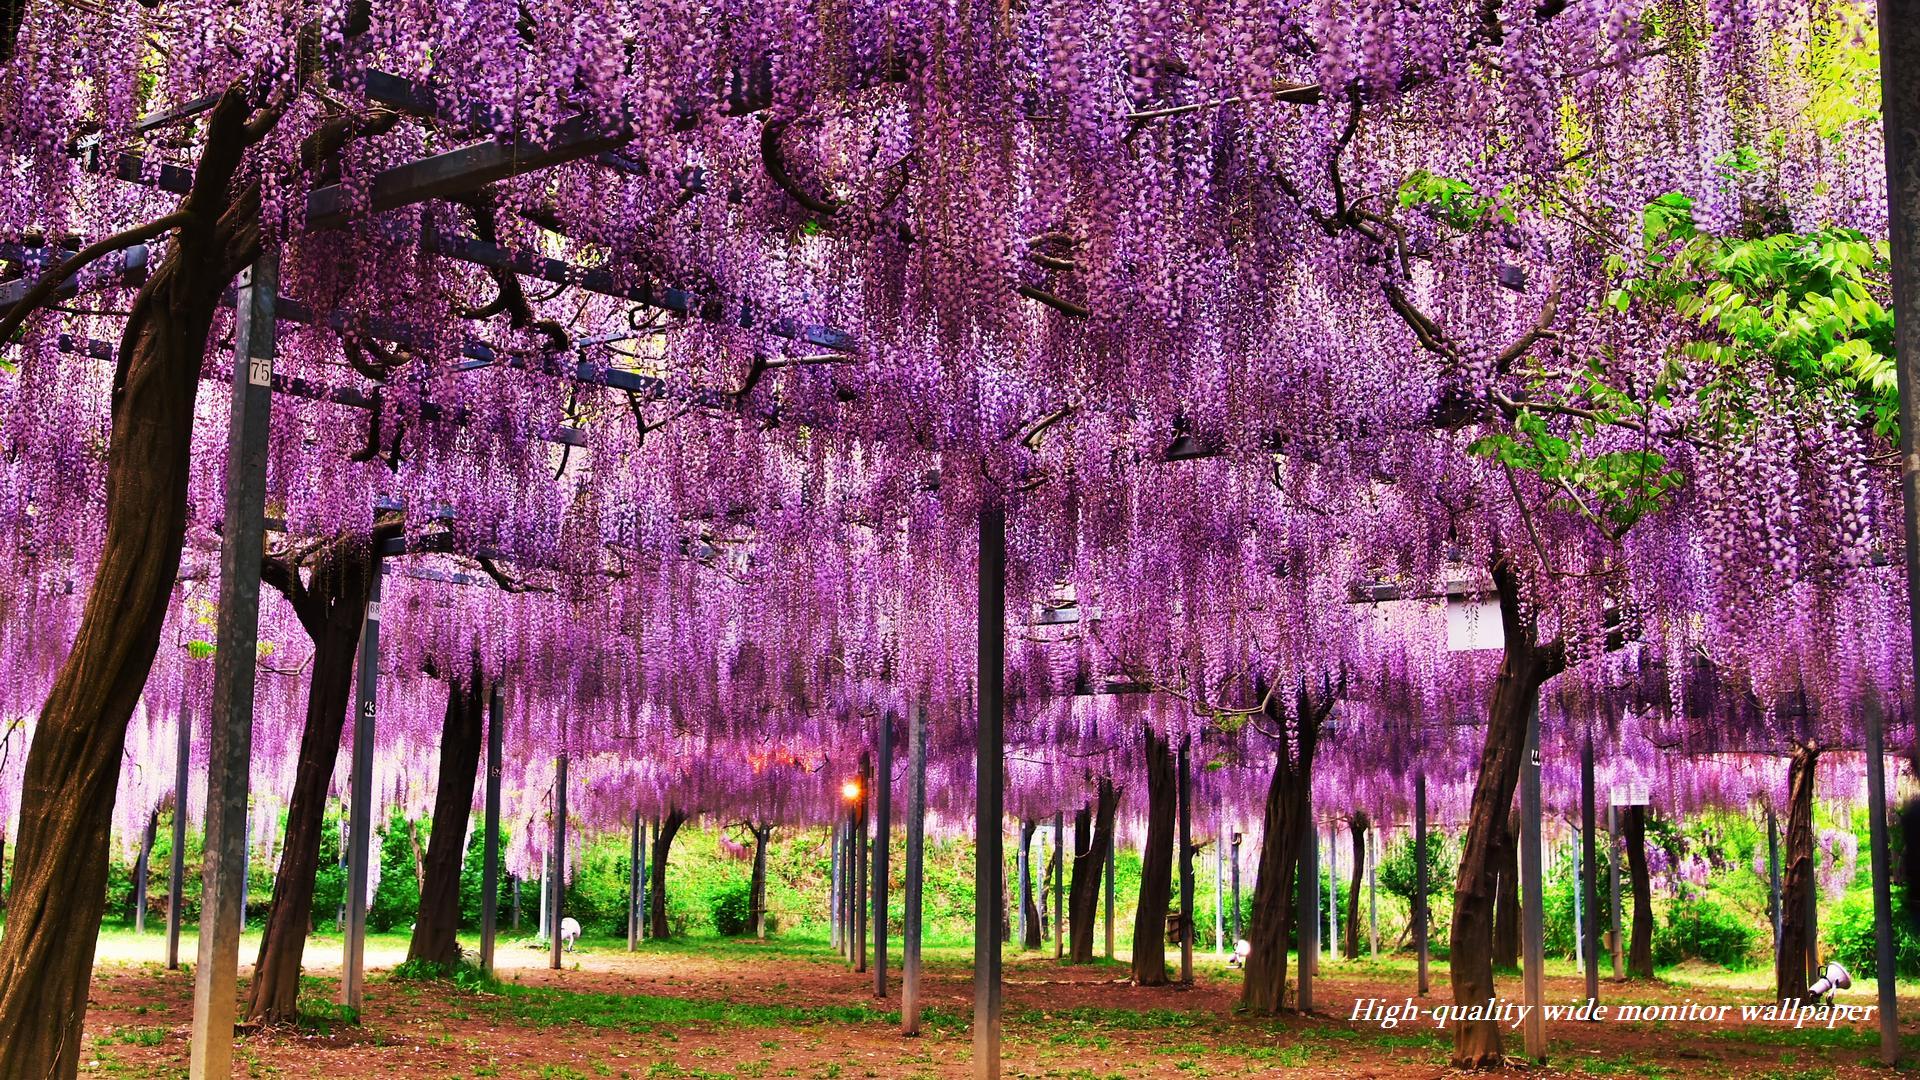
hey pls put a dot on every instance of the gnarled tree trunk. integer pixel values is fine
(1506, 907)
(657, 892)
(1797, 884)
(1358, 826)
(1283, 829)
(1156, 866)
(1083, 896)
(436, 928)
(1640, 947)
(1029, 904)
(331, 606)
(1526, 665)
(66, 807)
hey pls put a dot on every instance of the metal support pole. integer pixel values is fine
(1059, 894)
(633, 886)
(1112, 843)
(1532, 940)
(1373, 895)
(223, 887)
(1420, 920)
(1333, 892)
(647, 833)
(916, 862)
(1614, 943)
(1220, 887)
(833, 889)
(1025, 874)
(989, 794)
(360, 797)
(1579, 917)
(558, 906)
(1186, 862)
(1590, 861)
(859, 867)
(882, 840)
(1882, 893)
(177, 871)
(762, 836)
(490, 839)
(1236, 890)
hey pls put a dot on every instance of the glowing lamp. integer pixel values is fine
(850, 790)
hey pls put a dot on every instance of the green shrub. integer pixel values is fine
(1850, 940)
(397, 898)
(1703, 929)
(731, 907)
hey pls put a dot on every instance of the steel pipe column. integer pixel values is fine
(177, 870)
(1532, 939)
(223, 889)
(989, 793)
(916, 862)
(360, 796)
(1420, 919)
(490, 840)
(882, 837)
(1590, 879)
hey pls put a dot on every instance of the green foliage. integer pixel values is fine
(1452, 201)
(1556, 896)
(1850, 938)
(1809, 310)
(1613, 489)
(731, 907)
(1703, 929)
(396, 900)
(597, 892)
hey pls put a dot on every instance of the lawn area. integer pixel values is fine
(708, 1007)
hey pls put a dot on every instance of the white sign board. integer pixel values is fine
(1629, 795)
(1474, 624)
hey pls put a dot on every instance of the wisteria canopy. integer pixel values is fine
(1291, 338)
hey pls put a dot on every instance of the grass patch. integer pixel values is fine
(544, 1006)
(132, 1036)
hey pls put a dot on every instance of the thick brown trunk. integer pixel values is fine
(1506, 908)
(331, 606)
(1029, 903)
(657, 892)
(1516, 689)
(1083, 896)
(1283, 828)
(66, 804)
(1359, 827)
(1156, 866)
(1797, 882)
(1640, 947)
(436, 928)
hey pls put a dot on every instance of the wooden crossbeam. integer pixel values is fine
(467, 169)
